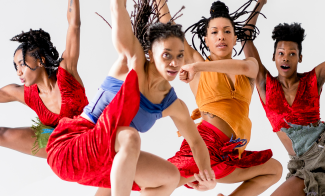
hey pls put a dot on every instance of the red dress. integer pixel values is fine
(73, 99)
(304, 109)
(83, 152)
(223, 154)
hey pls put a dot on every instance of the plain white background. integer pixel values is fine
(26, 175)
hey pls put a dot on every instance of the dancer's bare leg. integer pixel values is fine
(103, 192)
(286, 189)
(255, 179)
(20, 139)
(155, 176)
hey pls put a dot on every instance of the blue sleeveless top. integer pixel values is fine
(148, 112)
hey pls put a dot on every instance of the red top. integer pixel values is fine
(304, 109)
(73, 99)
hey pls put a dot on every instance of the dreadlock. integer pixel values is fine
(37, 44)
(285, 32)
(146, 25)
(242, 30)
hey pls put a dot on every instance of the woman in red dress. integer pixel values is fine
(291, 103)
(51, 85)
(101, 147)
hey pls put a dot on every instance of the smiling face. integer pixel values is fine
(286, 58)
(25, 74)
(168, 56)
(220, 38)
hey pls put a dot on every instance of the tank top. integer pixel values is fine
(215, 95)
(73, 99)
(304, 109)
(147, 114)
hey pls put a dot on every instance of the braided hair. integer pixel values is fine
(285, 32)
(242, 30)
(37, 43)
(148, 29)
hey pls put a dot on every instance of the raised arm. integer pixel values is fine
(191, 55)
(251, 51)
(71, 54)
(124, 40)
(12, 92)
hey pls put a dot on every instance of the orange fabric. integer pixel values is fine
(215, 95)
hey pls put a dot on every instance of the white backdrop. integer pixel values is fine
(26, 175)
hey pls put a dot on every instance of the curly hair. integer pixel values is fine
(285, 32)
(242, 30)
(37, 44)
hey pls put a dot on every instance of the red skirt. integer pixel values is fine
(83, 152)
(223, 155)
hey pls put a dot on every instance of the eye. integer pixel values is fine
(292, 54)
(228, 32)
(181, 56)
(214, 32)
(166, 55)
(280, 53)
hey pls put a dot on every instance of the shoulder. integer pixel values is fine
(176, 110)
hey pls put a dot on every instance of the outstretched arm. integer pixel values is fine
(71, 54)
(12, 92)
(247, 67)
(251, 51)
(124, 40)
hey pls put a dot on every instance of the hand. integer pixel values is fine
(187, 73)
(207, 180)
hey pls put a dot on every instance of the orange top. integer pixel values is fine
(215, 95)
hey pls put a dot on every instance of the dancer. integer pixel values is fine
(102, 146)
(291, 103)
(51, 84)
(223, 88)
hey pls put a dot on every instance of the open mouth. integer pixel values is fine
(285, 66)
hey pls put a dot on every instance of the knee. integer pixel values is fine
(131, 140)
(277, 169)
(4, 135)
(172, 176)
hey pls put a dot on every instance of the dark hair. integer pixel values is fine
(285, 32)
(37, 44)
(241, 28)
(146, 25)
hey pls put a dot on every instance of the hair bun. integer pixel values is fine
(218, 8)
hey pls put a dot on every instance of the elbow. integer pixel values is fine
(250, 67)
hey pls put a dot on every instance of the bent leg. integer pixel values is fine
(20, 139)
(155, 175)
(256, 179)
(127, 146)
(292, 186)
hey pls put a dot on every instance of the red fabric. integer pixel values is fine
(83, 152)
(304, 109)
(224, 158)
(73, 99)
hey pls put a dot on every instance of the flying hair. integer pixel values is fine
(242, 29)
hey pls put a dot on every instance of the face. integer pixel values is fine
(25, 74)
(168, 56)
(220, 38)
(286, 58)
